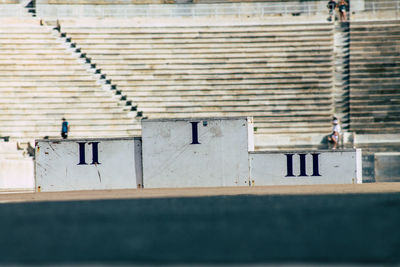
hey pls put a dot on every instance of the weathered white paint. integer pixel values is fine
(221, 159)
(16, 174)
(334, 167)
(58, 165)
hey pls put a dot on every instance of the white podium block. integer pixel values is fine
(88, 164)
(196, 152)
(306, 167)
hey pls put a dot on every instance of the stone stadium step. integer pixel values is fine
(187, 41)
(81, 122)
(370, 41)
(27, 135)
(241, 60)
(23, 35)
(38, 66)
(38, 57)
(40, 80)
(221, 76)
(29, 51)
(225, 71)
(360, 60)
(207, 58)
(375, 32)
(374, 107)
(215, 37)
(384, 68)
(90, 100)
(315, 119)
(227, 81)
(211, 50)
(250, 109)
(40, 132)
(44, 73)
(390, 54)
(28, 39)
(237, 94)
(112, 68)
(373, 89)
(270, 28)
(200, 114)
(378, 129)
(202, 32)
(214, 56)
(393, 80)
(360, 97)
(287, 88)
(48, 83)
(52, 93)
(23, 32)
(47, 96)
(57, 62)
(388, 38)
(56, 116)
(360, 49)
(366, 120)
(74, 127)
(54, 105)
(217, 103)
(267, 98)
(193, 32)
(294, 130)
(43, 110)
(375, 74)
(133, 45)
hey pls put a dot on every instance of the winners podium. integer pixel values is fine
(188, 152)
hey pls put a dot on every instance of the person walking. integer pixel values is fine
(331, 7)
(64, 128)
(342, 10)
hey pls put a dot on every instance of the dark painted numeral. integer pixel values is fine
(315, 164)
(195, 133)
(289, 165)
(82, 154)
(303, 165)
(95, 153)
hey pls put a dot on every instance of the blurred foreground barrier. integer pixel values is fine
(196, 152)
(306, 167)
(88, 164)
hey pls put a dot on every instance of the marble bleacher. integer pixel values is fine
(281, 74)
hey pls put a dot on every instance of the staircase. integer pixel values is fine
(279, 74)
(374, 89)
(43, 80)
(341, 87)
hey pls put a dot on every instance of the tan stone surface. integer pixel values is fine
(7, 197)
